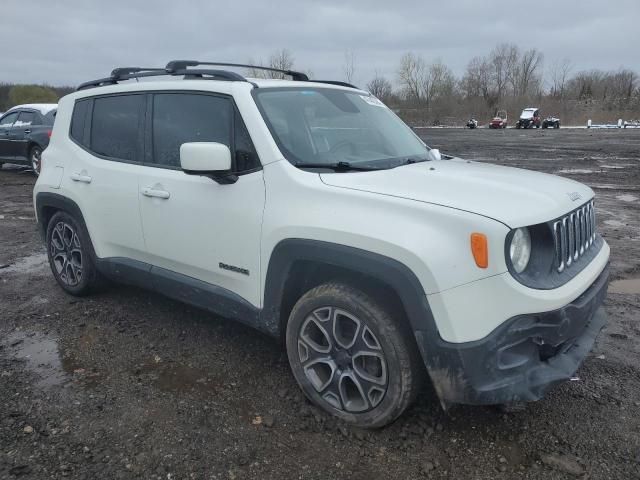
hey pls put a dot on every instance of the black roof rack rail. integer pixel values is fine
(129, 73)
(182, 67)
(121, 71)
(182, 64)
(336, 82)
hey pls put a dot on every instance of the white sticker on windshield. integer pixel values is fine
(371, 100)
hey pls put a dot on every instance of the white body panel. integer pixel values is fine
(420, 215)
(203, 224)
(512, 196)
(472, 311)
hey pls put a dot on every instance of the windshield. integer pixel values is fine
(527, 113)
(318, 126)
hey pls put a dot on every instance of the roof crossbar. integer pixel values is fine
(181, 64)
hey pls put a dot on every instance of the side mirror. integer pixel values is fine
(434, 154)
(209, 159)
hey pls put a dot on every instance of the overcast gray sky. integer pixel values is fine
(64, 42)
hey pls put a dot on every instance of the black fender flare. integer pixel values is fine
(384, 269)
(46, 200)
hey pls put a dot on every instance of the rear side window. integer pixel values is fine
(116, 127)
(184, 117)
(50, 117)
(79, 120)
(25, 119)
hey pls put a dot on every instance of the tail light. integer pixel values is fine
(49, 132)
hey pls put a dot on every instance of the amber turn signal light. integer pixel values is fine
(480, 249)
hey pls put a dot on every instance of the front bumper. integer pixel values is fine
(523, 358)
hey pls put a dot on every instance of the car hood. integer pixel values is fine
(509, 195)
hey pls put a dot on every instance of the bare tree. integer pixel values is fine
(280, 59)
(529, 71)
(440, 82)
(499, 62)
(380, 87)
(476, 80)
(349, 67)
(559, 76)
(411, 76)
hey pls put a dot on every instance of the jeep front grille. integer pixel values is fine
(574, 234)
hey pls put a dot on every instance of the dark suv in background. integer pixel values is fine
(24, 133)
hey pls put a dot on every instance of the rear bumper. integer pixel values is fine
(523, 358)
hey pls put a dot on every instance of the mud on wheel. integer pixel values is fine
(351, 357)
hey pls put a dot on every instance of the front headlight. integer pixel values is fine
(520, 249)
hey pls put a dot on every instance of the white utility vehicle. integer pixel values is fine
(308, 210)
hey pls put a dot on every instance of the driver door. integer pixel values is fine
(192, 225)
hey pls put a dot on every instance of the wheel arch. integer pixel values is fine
(297, 265)
(47, 204)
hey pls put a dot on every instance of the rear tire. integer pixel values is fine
(351, 357)
(35, 159)
(71, 255)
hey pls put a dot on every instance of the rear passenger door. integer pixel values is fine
(194, 226)
(7, 150)
(103, 173)
(20, 132)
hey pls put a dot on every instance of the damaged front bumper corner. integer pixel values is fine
(520, 360)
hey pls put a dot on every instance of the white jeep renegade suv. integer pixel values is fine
(311, 212)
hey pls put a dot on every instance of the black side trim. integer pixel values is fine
(385, 269)
(183, 288)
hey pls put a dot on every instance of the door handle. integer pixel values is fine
(151, 192)
(27, 131)
(77, 177)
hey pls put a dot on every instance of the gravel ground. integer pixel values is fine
(127, 384)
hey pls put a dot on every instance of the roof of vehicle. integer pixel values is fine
(531, 108)
(43, 108)
(184, 70)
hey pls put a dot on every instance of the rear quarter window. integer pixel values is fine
(50, 117)
(78, 121)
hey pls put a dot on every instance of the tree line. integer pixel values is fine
(12, 95)
(430, 93)
(507, 78)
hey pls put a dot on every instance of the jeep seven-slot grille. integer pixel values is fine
(573, 235)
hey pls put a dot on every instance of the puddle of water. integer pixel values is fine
(575, 170)
(42, 356)
(627, 198)
(35, 263)
(176, 377)
(629, 286)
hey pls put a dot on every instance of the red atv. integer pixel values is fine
(500, 120)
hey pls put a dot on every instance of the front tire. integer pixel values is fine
(35, 159)
(351, 357)
(71, 255)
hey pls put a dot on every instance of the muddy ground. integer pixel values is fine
(127, 384)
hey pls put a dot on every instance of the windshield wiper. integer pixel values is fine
(410, 160)
(337, 167)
